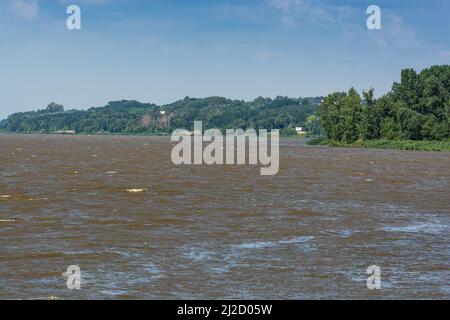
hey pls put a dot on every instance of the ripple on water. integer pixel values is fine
(270, 244)
(197, 254)
(114, 293)
(154, 271)
(309, 232)
(431, 228)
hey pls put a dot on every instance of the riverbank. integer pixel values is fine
(442, 146)
(156, 134)
(152, 134)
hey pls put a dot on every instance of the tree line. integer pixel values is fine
(133, 117)
(416, 108)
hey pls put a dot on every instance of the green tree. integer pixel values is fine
(54, 107)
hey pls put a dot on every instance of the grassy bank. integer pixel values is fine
(443, 146)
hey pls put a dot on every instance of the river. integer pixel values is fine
(220, 232)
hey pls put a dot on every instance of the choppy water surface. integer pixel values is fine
(200, 232)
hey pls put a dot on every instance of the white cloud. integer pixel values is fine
(395, 33)
(25, 9)
(402, 34)
(293, 10)
(350, 19)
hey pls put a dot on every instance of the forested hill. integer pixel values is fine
(133, 117)
(417, 108)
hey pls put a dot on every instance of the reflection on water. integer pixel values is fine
(141, 227)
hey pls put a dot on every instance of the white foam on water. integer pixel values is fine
(114, 292)
(269, 244)
(256, 245)
(136, 190)
(197, 254)
(432, 228)
(155, 272)
(344, 233)
(296, 240)
(37, 199)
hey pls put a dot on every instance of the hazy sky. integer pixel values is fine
(163, 50)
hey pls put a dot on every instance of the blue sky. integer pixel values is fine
(163, 50)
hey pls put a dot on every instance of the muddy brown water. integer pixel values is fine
(210, 232)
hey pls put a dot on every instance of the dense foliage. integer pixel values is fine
(135, 117)
(417, 108)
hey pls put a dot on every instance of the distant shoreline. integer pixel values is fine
(121, 134)
(86, 134)
(405, 145)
